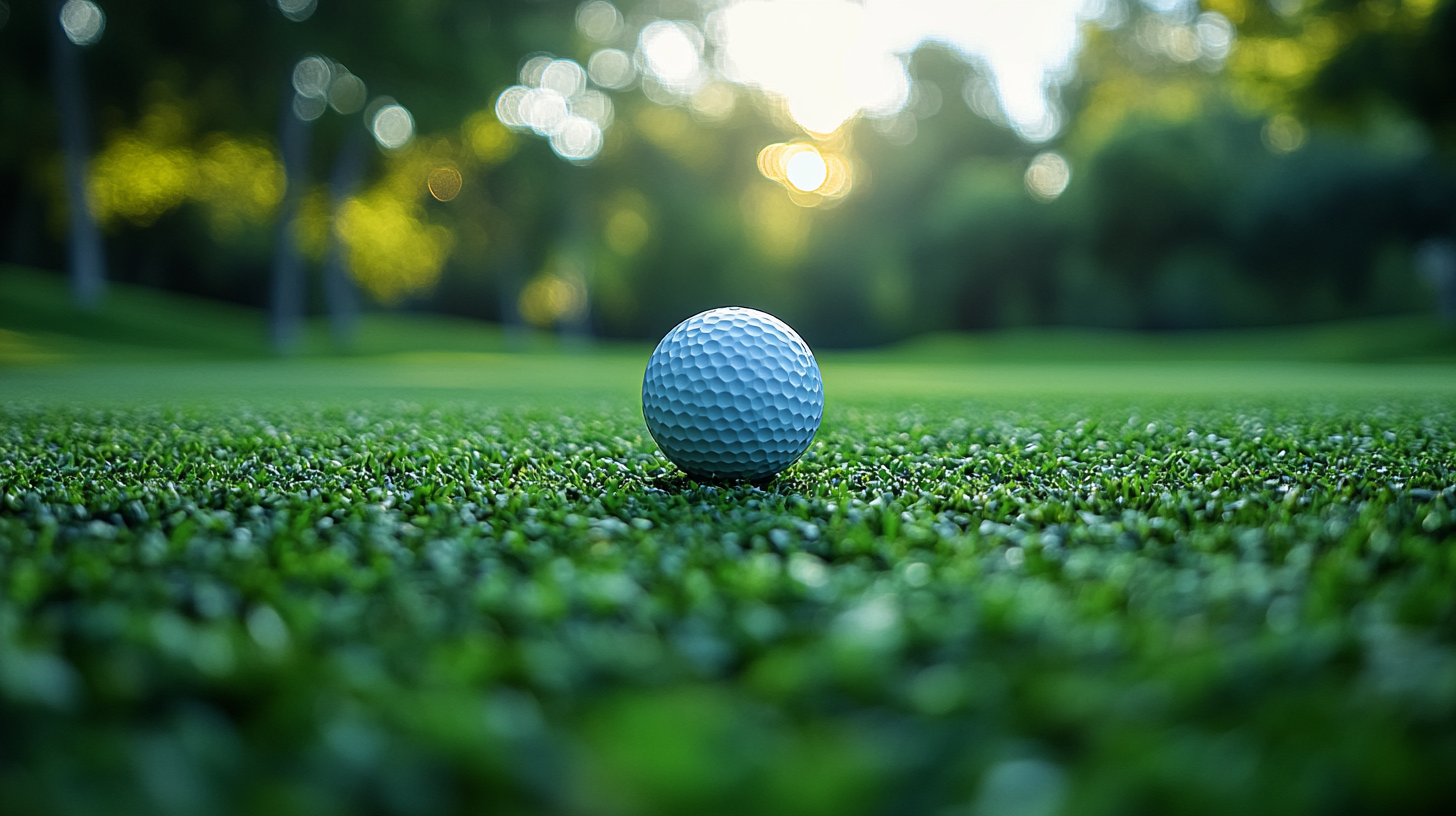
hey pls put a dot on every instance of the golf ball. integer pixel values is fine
(732, 394)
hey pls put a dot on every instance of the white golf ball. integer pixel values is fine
(733, 394)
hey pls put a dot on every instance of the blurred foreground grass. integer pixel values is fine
(462, 580)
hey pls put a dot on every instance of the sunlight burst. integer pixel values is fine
(831, 60)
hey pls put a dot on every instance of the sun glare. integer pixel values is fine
(820, 58)
(831, 60)
(822, 63)
(806, 170)
(812, 175)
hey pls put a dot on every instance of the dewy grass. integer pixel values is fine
(961, 608)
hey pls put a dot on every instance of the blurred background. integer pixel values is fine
(869, 171)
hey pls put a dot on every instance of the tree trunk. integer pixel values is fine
(86, 259)
(1436, 259)
(340, 294)
(285, 303)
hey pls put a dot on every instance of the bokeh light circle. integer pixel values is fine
(445, 183)
(806, 170)
(611, 68)
(593, 105)
(564, 77)
(312, 76)
(553, 99)
(544, 110)
(533, 68)
(297, 10)
(1048, 176)
(599, 20)
(347, 93)
(392, 126)
(83, 21)
(672, 53)
(577, 139)
(309, 108)
(508, 106)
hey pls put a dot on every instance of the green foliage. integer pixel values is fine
(1179, 214)
(1199, 605)
(1368, 64)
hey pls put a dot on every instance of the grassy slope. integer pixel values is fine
(465, 580)
(40, 325)
(216, 351)
(1408, 338)
(140, 324)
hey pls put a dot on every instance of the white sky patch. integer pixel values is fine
(832, 59)
(821, 56)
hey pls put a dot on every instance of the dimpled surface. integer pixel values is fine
(732, 394)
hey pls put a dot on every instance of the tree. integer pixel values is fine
(72, 26)
(1380, 66)
(1357, 63)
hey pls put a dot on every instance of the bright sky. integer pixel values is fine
(832, 59)
(829, 60)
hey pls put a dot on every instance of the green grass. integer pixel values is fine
(1404, 338)
(462, 580)
(146, 345)
(38, 325)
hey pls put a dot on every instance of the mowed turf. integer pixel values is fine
(442, 584)
(467, 582)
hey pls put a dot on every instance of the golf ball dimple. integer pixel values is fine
(732, 394)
